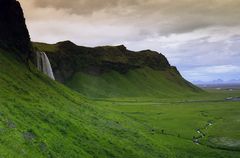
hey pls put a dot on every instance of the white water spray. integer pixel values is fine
(43, 64)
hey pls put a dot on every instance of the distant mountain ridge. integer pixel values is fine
(218, 81)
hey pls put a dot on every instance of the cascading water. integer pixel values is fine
(43, 64)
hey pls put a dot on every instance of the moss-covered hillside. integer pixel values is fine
(114, 71)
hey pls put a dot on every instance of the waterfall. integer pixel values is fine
(43, 64)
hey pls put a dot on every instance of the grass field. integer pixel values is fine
(181, 119)
(42, 118)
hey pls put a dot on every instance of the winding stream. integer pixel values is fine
(200, 133)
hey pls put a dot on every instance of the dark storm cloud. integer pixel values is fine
(161, 16)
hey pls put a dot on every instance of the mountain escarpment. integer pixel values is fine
(68, 58)
(114, 71)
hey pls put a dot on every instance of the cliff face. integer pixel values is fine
(67, 59)
(13, 31)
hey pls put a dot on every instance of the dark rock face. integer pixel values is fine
(13, 31)
(68, 59)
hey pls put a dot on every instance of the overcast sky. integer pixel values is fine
(200, 37)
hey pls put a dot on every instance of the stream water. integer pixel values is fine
(201, 134)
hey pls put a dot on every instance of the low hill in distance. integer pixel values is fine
(115, 71)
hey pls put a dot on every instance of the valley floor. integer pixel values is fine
(205, 125)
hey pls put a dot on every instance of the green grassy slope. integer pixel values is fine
(144, 82)
(42, 118)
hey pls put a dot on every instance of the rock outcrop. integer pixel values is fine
(14, 35)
